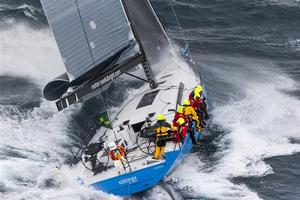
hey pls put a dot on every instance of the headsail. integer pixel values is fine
(148, 29)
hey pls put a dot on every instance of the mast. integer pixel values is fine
(146, 66)
(149, 33)
(99, 41)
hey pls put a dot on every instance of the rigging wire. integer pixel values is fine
(183, 37)
(106, 100)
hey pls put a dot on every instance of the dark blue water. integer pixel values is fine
(248, 55)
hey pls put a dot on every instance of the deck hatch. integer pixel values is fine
(138, 126)
(147, 99)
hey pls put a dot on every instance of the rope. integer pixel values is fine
(183, 36)
(177, 20)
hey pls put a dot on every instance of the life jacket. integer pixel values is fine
(177, 116)
(161, 128)
(190, 112)
(118, 153)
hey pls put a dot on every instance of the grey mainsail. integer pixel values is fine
(99, 40)
(88, 32)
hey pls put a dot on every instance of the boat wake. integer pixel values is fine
(35, 138)
(262, 123)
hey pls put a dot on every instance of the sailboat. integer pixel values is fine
(99, 40)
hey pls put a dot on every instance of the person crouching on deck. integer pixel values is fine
(192, 116)
(179, 114)
(162, 129)
(182, 130)
(118, 154)
(202, 107)
(197, 104)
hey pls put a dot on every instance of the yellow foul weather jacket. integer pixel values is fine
(190, 112)
(161, 128)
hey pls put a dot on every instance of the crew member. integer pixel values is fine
(197, 103)
(203, 109)
(118, 154)
(162, 129)
(197, 90)
(179, 114)
(182, 130)
(191, 114)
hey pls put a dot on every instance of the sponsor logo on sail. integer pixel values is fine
(106, 79)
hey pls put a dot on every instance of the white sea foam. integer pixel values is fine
(30, 53)
(31, 147)
(294, 43)
(259, 125)
(34, 142)
(288, 3)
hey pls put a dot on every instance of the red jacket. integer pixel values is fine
(182, 131)
(177, 116)
(191, 96)
(196, 103)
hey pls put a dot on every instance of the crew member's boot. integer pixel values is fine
(163, 152)
(194, 141)
(157, 152)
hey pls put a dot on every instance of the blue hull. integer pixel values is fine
(145, 178)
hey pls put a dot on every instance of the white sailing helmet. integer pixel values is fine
(112, 146)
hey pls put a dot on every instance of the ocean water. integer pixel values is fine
(248, 55)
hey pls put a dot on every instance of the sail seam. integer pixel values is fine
(86, 37)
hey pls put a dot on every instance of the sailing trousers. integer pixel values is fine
(160, 146)
(192, 135)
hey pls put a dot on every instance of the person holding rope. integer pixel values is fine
(163, 130)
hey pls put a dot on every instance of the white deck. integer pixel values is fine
(137, 159)
(165, 100)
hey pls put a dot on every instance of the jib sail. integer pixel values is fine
(148, 29)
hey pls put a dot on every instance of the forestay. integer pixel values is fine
(90, 34)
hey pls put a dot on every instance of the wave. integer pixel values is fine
(259, 118)
(29, 53)
(27, 10)
(294, 43)
(287, 3)
(35, 138)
